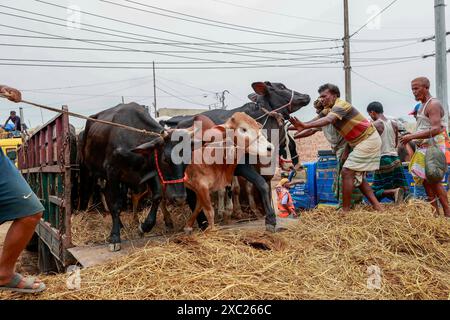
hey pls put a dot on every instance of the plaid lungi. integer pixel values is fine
(389, 176)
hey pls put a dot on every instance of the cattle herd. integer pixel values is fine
(184, 158)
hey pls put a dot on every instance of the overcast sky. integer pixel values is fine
(297, 34)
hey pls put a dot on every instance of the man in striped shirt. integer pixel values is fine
(364, 143)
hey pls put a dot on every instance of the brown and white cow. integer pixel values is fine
(206, 177)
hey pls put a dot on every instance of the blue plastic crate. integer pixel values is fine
(304, 194)
(325, 181)
(326, 160)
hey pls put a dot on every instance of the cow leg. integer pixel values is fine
(136, 197)
(150, 220)
(221, 198)
(190, 222)
(167, 217)
(204, 198)
(248, 172)
(251, 200)
(236, 192)
(228, 204)
(115, 200)
(192, 201)
(105, 204)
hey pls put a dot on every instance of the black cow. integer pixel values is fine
(269, 97)
(125, 159)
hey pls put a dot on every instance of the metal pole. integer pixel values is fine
(441, 55)
(154, 91)
(347, 67)
(21, 116)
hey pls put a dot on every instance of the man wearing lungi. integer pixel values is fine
(389, 180)
(430, 125)
(19, 204)
(360, 135)
(338, 146)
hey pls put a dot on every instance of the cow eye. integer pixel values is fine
(244, 130)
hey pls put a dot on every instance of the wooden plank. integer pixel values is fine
(89, 256)
(45, 169)
(67, 183)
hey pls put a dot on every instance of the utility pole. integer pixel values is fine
(154, 92)
(347, 67)
(22, 120)
(441, 55)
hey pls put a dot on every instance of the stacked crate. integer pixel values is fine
(304, 195)
(325, 176)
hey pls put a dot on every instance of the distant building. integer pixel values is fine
(171, 112)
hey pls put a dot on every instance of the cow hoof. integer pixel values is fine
(113, 247)
(188, 230)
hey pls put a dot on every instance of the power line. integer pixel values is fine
(185, 84)
(87, 85)
(182, 99)
(387, 63)
(168, 62)
(242, 28)
(298, 66)
(278, 14)
(211, 43)
(380, 85)
(368, 21)
(120, 31)
(102, 95)
(175, 51)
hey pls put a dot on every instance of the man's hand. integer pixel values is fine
(405, 139)
(11, 93)
(300, 126)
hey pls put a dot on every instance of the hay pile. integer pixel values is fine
(324, 256)
(93, 227)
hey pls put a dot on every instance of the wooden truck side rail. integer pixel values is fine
(44, 160)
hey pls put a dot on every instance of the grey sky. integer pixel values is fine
(322, 18)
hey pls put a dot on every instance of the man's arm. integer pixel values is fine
(434, 114)
(322, 122)
(6, 122)
(306, 133)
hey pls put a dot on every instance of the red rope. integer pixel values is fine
(164, 182)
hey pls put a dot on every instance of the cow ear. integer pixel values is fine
(252, 97)
(260, 88)
(148, 147)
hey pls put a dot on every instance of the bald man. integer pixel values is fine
(19, 204)
(430, 123)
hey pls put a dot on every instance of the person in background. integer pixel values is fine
(389, 180)
(15, 119)
(360, 134)
(430, 125)
(19, 204)
(286, 208)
